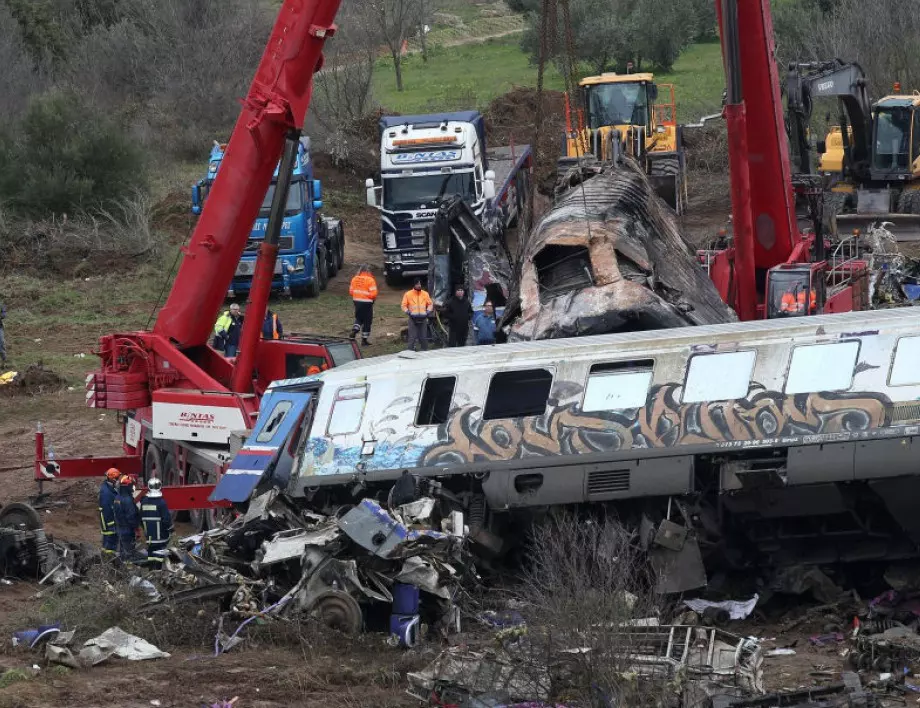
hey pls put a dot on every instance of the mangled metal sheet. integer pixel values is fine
(464, 252)
(290, 545)
(609, 257)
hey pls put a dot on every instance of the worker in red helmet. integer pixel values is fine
(127, 519)
(107, 493)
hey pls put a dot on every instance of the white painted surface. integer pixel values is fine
(822, 367)
(719, 377)
(211, 424)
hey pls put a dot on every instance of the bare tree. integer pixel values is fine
(395, 22)
(342, 90)
(884, 41)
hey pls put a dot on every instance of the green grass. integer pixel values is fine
(471, 75)
(465, 76)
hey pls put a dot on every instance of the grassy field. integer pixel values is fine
(471, 75)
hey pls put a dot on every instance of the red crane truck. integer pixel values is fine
(770, 263)
(184, 407)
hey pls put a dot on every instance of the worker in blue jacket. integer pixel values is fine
(157, 523)
(107, 494)
(484, 325)
(127, 520)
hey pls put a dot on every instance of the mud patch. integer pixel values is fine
(35, 380)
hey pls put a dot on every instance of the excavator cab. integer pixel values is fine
(620, 114)
(794, 290)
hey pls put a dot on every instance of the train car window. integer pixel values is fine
(518, 394)
(277, 416)
(904, 370)
(616, 387)
(347, 410)
(436, 396)
(719, 377)
(298, 365)
(822, 367)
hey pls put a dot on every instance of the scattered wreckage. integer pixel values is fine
(26, 551)
(609, 257)
(277, 560)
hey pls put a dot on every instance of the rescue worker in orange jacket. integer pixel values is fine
(794, 303)
(417, 304)
(271, 326)
(363, 291)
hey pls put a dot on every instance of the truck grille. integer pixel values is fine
(286, 243)
(607, 482)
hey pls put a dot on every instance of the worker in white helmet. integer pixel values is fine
(157, 523)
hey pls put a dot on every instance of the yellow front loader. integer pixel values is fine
(619, 114)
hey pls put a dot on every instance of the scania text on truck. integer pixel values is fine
(312, 245)
(427, 159)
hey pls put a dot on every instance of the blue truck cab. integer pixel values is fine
(312, 246)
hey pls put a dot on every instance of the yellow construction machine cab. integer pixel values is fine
(888, 189)
(626, 103)
(896, 138)
(647, 128)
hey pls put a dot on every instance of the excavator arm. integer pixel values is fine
(847, 83)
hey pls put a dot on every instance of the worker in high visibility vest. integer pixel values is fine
(794, 303)
(363, 291)
(271, 326)
(416, 303)
(157, 523)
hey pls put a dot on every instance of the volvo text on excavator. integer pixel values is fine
(871, 158)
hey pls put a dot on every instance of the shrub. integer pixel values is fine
(67, 156)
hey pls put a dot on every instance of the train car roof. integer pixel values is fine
(458, 359)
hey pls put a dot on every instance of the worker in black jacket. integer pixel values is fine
(127, 519)
(457, 312)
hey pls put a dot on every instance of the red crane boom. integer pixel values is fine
(769, 258)
(277, 103)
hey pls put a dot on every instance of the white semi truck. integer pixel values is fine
(427, 159)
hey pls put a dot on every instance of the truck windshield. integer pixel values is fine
(294, 200)
(617, 104)
(421, 191)
(892, 138)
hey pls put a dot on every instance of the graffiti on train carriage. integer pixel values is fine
(566, 430)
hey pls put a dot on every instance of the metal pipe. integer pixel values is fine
(260, 291)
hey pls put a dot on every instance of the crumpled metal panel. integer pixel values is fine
(643, 275)
(464, 251)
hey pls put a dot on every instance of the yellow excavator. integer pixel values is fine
(621, 114)
(871, 158)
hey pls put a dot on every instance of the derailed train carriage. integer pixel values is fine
(768, 442)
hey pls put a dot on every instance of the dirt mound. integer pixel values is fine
(36, 379)
(510, 117)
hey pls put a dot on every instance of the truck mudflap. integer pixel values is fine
(905, 228)
(265, 453)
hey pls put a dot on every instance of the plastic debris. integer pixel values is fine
(737, 609)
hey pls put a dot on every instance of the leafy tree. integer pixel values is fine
(66, 156)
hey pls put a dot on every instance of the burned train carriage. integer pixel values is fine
(788, 431)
